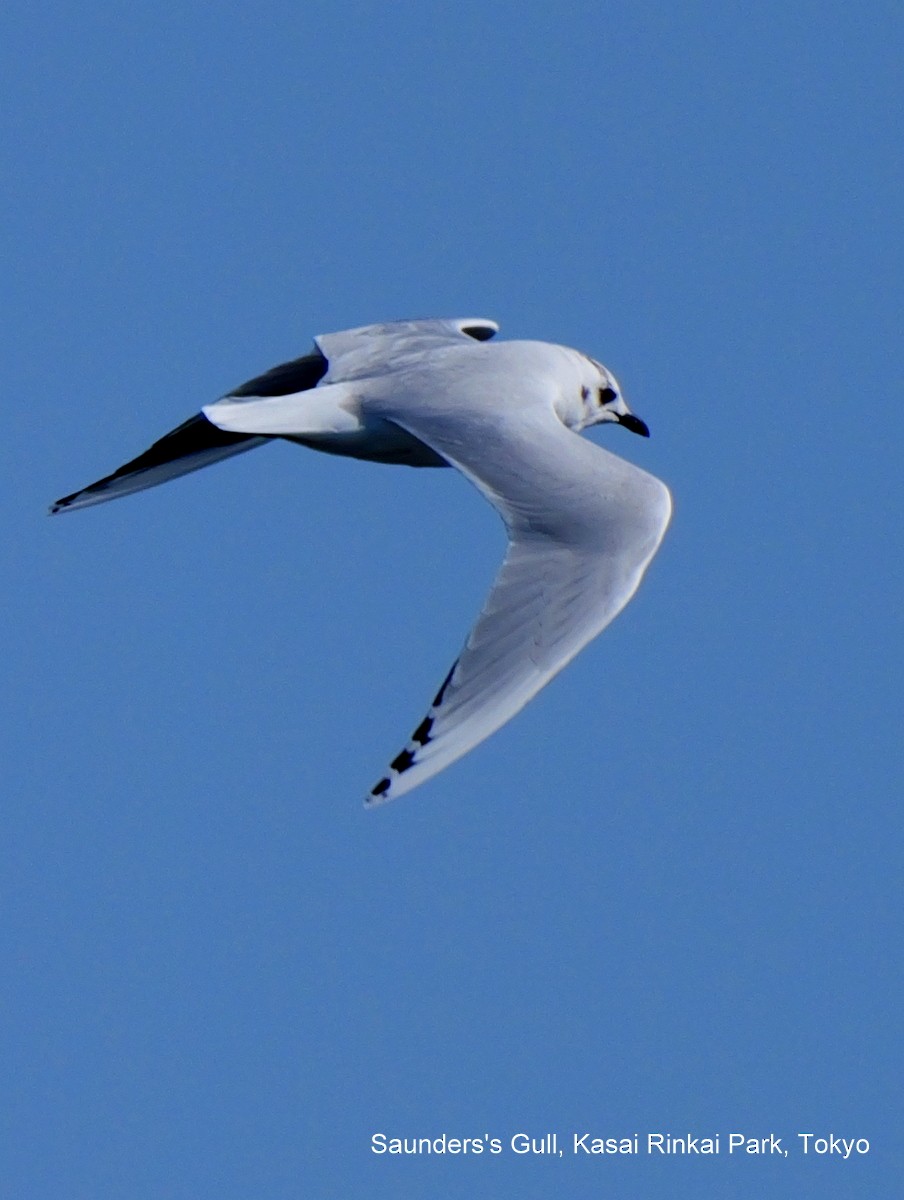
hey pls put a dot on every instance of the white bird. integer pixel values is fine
(582, 523)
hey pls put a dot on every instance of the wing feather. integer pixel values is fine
(583, 525)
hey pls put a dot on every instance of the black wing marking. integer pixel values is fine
(197, 442)
(480, 333)
(193, 444)
(408, 757)
(299, 375)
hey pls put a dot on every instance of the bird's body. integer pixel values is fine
(583, 524)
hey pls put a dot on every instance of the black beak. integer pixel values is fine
(634, 424)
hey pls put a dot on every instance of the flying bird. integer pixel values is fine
(582, 524)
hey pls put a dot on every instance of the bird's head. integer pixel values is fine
(601, 399)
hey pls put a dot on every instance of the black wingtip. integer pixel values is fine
(377, 794)
(480, 333)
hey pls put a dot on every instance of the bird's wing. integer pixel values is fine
(194, 444)
(583, 525)
(371, 349)
(355, 358)
(199, 442)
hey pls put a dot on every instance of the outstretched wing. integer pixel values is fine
(198, 442)
(583, 525)
(195, 444)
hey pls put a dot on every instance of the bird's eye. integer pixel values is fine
(607, 395)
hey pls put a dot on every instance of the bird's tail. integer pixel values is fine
(194, 444)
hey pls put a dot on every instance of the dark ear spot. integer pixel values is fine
(480, 333)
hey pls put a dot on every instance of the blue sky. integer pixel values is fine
(666, 897)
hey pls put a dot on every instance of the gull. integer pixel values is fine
(582, 523)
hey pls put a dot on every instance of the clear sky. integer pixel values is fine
(666, 898)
